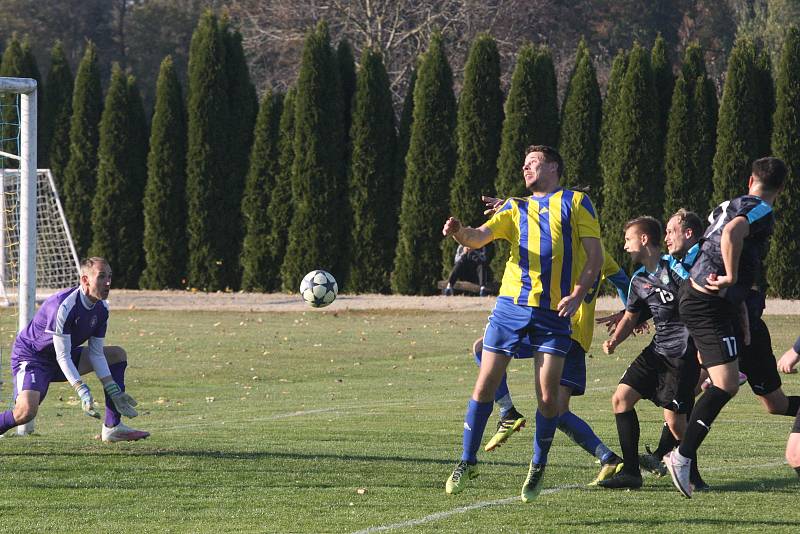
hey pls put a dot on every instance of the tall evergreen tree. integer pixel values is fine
(663, 81)
(316, 236)
(80, 175)
(690, 138)
(347, 75)
(430, 164)
(242, 105)
(117, 207)
(372, 176)
(784, 254)
(281, 204)
(404, 139)
(546, 110)
(54, 148)
(208, 161)
(581, 117)
(165, 193)
(480, 119)
(609, 164)
(631, 189)
(740, 128)
(18, 62)
(31, 70)
(766, 99)
(258, 273)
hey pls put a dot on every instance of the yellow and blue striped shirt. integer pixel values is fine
(545, 235)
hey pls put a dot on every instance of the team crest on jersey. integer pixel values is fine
(93, 321)
(665, 279)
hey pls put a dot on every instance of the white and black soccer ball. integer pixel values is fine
(319, 288)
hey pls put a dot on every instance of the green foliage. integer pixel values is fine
(347, 76)
(165, 192)
(117, 219)
(316, 239)
(404, 136)
(372, 178)
(741, 127)
(663, 80)
(208, 164)
(242, 105)
(258, 271)
(609, 164)
(84, 137)
(54, 148)
(281, 204)
(430, 164)
(581, 117)
(478, 131)
(784, 254)
(633, 188)
(691, 138)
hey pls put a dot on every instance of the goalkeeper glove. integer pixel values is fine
(87, 402)
(123, 402)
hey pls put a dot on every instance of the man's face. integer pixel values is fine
(538, 172)
(97, 282)
(634, 243)
(676, 238)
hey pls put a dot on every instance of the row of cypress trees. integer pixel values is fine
(334, 183)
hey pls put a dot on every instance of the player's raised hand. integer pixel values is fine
(123, 402)
(451, 226)
(492, 204)
(87, 402)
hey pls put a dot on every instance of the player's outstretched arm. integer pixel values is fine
(466, 235)
(623, 330)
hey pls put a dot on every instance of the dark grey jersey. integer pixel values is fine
(656, 294)
(761, 219)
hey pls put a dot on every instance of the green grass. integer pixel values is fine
(273, 422)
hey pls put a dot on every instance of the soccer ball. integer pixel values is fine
(319, 288)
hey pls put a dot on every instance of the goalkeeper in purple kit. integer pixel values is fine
(50, 349)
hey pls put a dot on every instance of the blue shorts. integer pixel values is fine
(511, 324)
(574, 373)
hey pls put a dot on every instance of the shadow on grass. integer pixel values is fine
(680, 524)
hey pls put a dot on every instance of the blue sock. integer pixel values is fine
(502, 389)
(118, 374)
(543, 437)
(474, 424)
(581, 433)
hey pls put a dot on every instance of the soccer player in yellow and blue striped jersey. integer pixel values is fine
(543, 286)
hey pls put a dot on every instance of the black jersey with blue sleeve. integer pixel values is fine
(656, 294)
(761, 218)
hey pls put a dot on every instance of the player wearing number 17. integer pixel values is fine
(728, 264)
(555, 259)
(49, 350)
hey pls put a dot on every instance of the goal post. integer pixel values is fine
(26, 88)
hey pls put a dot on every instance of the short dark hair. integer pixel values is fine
(689, 220)
(648, 226)
(551, 155)
(770, 172)
(88, 263)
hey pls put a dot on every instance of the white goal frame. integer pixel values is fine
(27, 90)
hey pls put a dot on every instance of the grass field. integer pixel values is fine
(351, 422)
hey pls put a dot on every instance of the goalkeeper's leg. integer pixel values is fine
(118, 374)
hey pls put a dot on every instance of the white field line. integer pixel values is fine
(508, 500)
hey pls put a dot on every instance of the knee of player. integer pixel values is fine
(115, 354)
(793, 455)
(619, 403)
(24, 413)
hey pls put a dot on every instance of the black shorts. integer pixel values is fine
(796, 427)
(710, 320)
(757, 360)
(667, 382)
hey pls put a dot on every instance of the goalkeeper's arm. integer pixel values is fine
(62, 343)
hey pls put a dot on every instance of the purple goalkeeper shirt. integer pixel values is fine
(67, 312)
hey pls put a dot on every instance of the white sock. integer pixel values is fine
(505, 404)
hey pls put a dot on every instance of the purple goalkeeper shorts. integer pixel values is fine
(36, 374)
